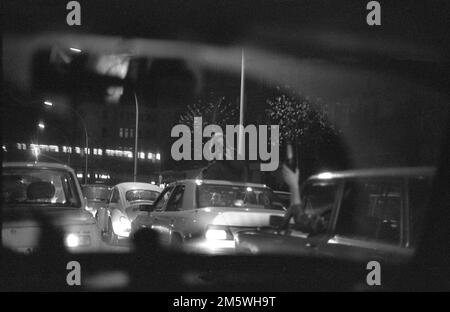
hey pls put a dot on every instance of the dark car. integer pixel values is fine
(96, 196)
(369, 214)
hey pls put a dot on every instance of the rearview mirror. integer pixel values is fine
(276, 221)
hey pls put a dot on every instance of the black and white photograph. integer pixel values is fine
(225, 152)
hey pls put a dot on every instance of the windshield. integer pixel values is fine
(141, 195)
(38, 187)
(209, 195)
(96, 193)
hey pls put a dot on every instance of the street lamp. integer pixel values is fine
(136, 137)
(50, 104)
(42, 126)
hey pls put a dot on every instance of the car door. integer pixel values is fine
(157, 219)
(370, 221)
(174, 216)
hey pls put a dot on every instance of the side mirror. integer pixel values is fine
(147, 208)
(276, 221)
(278, 206)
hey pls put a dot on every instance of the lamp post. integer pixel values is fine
(136, 137)
(50, 104)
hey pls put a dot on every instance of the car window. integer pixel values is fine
(371, 210)
(211, 195)
(42, 187)
(115, 196)
(133, 195)
(318, 199)
(96, 193)
(163, 198)
(176, 200)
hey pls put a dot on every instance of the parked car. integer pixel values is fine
(364, 215)
(96, 196)
(204, 215)
(122, 207)
(35, 194)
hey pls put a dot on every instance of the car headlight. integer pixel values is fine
(124, 221)
(218, 233)
(75, 240)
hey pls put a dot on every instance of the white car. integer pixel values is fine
(38, 191)
(204, 215)
(122, 207)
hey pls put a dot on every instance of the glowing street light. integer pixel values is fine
(41, 125)
(75, 50)
(50, 104)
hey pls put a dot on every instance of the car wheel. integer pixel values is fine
(111, 236)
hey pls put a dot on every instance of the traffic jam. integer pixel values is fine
(247, 139)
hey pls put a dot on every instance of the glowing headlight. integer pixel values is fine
(72, 240)
(124, 221)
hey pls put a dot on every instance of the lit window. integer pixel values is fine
(126, 133)
(150, 156)
(158, 156)
(87, 150)
(100, 152)
(131, 133)
(109, 152)
(77, 150)
(54, 148)
(121, 132)
(95, 151)
(79, 175)
(142, 155)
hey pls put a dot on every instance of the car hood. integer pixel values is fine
(241, 217)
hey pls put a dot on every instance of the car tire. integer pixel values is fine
(111, 236)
